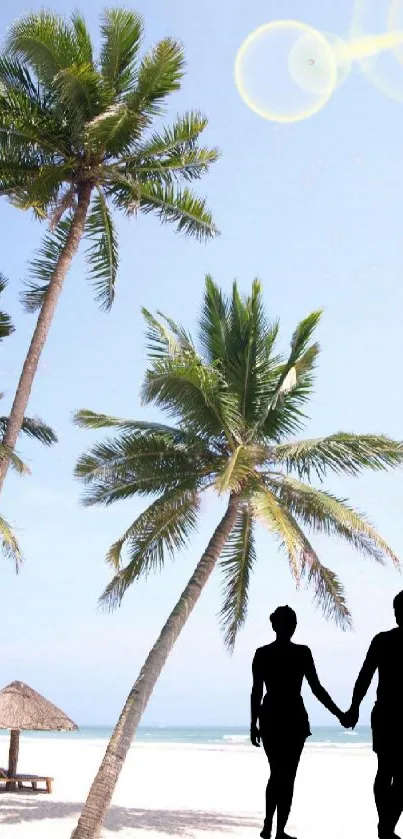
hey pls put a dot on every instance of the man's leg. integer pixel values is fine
(397, 791)
(286, 778)
(383, 793)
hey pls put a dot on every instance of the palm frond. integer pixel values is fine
(45, 43)
(342, 453)
(82, 38)
(214, 325)
(239, 467)
(238, 558)
(103, 255)
(12, 458)
(324, 513)
(282, 414)
(329, 594)
(6, 324)
(163, 528)
(9, 545)
(304, 562)
(160, 74)
(122, 32)
(34, 428)
(181, 136)
(195, 393)
(180, 207)
(141, 463)
(90, 419)
(275, 517)
(114, 129)
(176, 206)
(165, 341)
(80, 92)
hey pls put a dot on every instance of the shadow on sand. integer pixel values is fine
(27, 807)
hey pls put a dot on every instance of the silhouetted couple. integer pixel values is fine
(281, 721)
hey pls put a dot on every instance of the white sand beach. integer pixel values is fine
(190, 791)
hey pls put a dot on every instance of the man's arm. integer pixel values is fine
(255, 697)
(363, 682)
(317, 689)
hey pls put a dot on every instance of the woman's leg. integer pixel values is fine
(286, 773)
(271, 788)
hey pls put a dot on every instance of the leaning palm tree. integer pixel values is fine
(236, 404)
(32, 428)
(77, 139)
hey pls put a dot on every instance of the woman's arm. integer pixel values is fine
(317, 689)
(256, 697)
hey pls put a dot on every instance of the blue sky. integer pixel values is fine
(314, 210)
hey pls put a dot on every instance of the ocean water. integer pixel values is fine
(322, 736)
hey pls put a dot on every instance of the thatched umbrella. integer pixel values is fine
(22, 708)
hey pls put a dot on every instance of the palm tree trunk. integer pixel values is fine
(42, 327)
(100, 795)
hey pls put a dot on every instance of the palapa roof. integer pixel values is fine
(21, 707)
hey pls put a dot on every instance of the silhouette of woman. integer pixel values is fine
(283, 721)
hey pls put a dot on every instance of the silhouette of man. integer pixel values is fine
(385, 655)
(281, 721)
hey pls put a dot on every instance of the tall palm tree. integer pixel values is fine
(32, 428)
(76, 139)
(235, 404)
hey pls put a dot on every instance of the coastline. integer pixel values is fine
(190, 790)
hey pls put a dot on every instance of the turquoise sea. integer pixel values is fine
(322, 736)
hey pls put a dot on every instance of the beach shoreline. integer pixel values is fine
(191, 790)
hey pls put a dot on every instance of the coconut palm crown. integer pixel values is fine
(238, 405)
(76, 126)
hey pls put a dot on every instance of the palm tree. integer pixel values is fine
(236, 406)
(32, 428)
(76, 140)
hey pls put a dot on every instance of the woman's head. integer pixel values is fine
(284, 622)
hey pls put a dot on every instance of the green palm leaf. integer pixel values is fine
(329, 592)
(162, 529)
(160, 74)
(324, 513)
(9, 545)
(343, 454)
(141, 463)
(237, 560)
(34, 428)
(45, 44)
(12, 458)
(182, 386)
(122, 32)
(103, 255)
(6, 324)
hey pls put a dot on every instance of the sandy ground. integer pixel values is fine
(191, 791)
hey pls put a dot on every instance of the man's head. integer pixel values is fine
(398, 607)
(284, 622)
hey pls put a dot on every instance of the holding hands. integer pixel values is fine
(349, 718)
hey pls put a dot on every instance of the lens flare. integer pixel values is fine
(377, 38)
(286, 71)
(308, 61)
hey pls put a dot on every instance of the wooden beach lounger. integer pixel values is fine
(30, 779)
